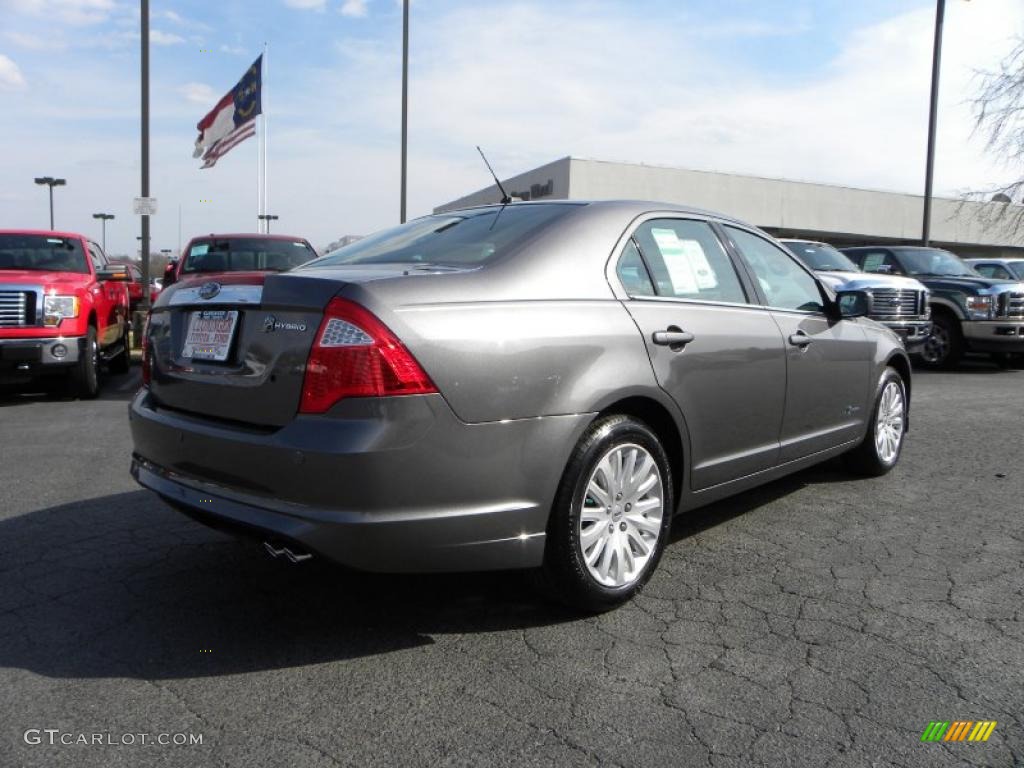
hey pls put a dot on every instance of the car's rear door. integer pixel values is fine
(828, 360)
(721, 359)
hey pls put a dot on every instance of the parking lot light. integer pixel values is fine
(51, 182)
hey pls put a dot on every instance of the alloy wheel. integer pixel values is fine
(890, 422)
(620, 520)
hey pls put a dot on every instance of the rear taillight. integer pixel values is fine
(356, 355)
(147, 362)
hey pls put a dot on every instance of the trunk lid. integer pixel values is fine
(268, 324)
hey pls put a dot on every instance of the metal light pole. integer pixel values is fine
(144, 304)
(405, 102)
(926, 228)
(267, 217)
(105, 217)
(51, 183)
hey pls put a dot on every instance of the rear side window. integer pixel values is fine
(785, 284)
(632, 273)
(462, 238)
(687, 261)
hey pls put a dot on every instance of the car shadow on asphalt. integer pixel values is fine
(54, 389)
(123, 586)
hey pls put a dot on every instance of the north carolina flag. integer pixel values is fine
(233, 120)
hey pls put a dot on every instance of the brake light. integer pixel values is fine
(356, 355)
(147, 363)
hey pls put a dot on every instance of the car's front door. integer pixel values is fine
(721, 359)
(828, 361)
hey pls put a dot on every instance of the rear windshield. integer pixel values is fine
(40, 253)
(243, 254)
(821, 256)
(458, 239)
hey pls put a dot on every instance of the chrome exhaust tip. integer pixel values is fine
(294, 557)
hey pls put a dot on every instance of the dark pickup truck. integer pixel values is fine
(970, 313)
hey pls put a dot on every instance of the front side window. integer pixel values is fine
(993, 270)
(39, 253)
(98, 261)
(784, 283)
(687, 261)
(881, 262)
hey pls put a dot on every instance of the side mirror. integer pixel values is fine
(115, 274)
(851, 304)
(170, 272)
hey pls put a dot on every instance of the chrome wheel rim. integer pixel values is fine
(937, 346)
(889, 425)
(621, 515)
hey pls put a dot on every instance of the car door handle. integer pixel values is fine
(672, 338)
(800, 339)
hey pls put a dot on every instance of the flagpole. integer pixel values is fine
(266, 133)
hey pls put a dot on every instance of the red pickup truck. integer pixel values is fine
(63, 309)
(209, 257)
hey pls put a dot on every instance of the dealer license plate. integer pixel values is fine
(209, 334)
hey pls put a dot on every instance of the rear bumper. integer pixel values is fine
(392, 484)
(994, 335)
(28, 356)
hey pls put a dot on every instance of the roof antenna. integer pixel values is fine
(505, 198)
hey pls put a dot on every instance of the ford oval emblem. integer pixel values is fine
(209, 290)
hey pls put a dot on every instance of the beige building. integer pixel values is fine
(835, 214)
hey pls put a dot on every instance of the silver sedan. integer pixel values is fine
(537, 386)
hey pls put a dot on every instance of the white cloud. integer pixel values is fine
(315, 5)
(159, 37)
(169, 15)
(11, 78)
(234, 50)
(354, 8)
(32, 42)
(199, 93)
(66, 11)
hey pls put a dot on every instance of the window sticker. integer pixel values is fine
(199, 250)
(873, 261)
(704, 274)
(676, 261)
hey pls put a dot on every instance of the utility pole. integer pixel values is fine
(926, 228)
(144, 304)
(104, 217)
(405, 102)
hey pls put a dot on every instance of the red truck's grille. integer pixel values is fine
(15, 308)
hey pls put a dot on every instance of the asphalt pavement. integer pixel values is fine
(819, 621)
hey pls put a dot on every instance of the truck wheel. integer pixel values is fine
(945, 346)
(611, 517)
(85, 380)
(123, 361)
(878, 453)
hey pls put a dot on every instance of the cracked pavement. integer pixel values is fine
(819, 621)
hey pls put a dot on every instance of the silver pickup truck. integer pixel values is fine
(900, 303)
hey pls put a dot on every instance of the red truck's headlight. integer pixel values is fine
(57, 308)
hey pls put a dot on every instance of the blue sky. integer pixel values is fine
(825, 91)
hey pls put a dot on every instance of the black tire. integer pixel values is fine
(866, 458)
(85, 376)
(122, 363)
(565, 575)
(945, 346)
